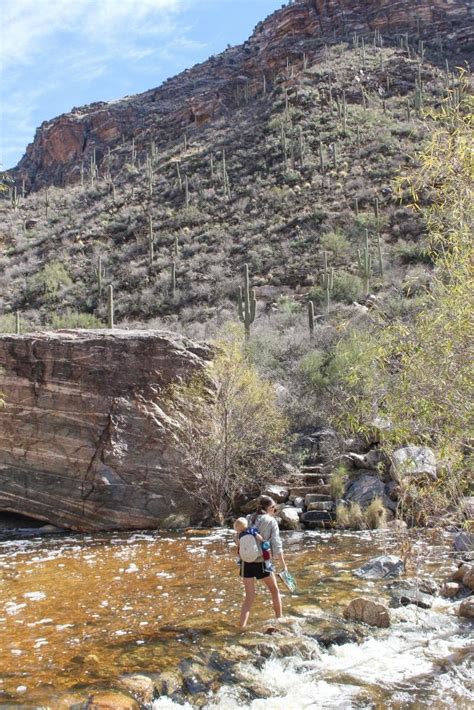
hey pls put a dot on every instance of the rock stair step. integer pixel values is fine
(316, 477)
(302, 491)
(312, 469)
(326, 505)
(316, 516)
(313, 497)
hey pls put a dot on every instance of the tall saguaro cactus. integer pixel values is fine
(311, 318)
(247, 303)
(151, 239)
(327, 280)
(365, 263)
(99, 274)
(110, 306)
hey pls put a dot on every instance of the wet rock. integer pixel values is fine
(380, 567)
(413, 461)
(196, 677)
(463, 542)
(403, 595)
(140, 686)
(110, 700)
(371, 613)
(450, 589)
(278, 493)
(336, 637)
(468, 577)
(466, 608)
(169, 683)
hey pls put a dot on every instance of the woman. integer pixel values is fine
(250, 571)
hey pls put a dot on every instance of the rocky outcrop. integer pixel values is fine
(86, 438)
(198, 95)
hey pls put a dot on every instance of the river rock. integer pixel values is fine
(459, 572)
(463, 542)
(468, 577)
(381, 567)
(466, 608)
(290, 517)
(169, 683)
(110, 700)
(140, 686)
(450, 590)
(88, 439)
(278, 493)
(404, 594)
(413, 461)
(371, 613)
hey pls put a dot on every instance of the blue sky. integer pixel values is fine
(56, 54)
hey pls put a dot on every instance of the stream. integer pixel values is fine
(77, 612)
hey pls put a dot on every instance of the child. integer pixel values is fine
(241, 527)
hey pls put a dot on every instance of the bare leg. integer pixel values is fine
(272, 585)
(249, 586)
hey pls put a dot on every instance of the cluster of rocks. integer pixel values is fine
(306, 497)
(420, 592)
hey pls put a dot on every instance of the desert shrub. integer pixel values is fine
(412, 252)
(7, 323)
(51, 280)
(347, 287)
(375, 514)
(73, 319)
(350, 516)
(338, 481)
(335, 242)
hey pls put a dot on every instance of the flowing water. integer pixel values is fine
(77, 612)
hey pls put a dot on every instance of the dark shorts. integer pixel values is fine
(253, 569)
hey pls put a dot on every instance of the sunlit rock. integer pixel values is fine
(371, 613)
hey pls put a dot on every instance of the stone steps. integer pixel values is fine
(325, 505)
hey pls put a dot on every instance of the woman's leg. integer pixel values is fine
(249, 586)
(272, 585)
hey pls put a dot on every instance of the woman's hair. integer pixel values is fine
(264, 502)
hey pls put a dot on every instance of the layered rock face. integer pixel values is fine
(87, 441)
(198, 95)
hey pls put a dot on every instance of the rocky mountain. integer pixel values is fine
(274, 153)
(216, 87)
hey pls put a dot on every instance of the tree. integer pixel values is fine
(231, 436)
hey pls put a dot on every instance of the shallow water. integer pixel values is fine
(76, 612)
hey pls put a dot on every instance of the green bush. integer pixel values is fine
(347, 287)
(52, 279)
(72, 319)
(335, 242)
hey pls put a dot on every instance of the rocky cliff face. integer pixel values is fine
(85, 440)
(198, 95)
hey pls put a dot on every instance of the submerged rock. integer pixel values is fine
(380, 567)
(140, 686)
(111, 701)
(404, 595)
(371, 613)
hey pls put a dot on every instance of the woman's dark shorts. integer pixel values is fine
(253, 569)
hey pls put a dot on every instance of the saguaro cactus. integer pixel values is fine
(311, 318)
(110, 306)
(17, 323)
(247, 303)
(173, 279)
(151, 239)
(379, 254)
(327, 280)
(365, 263)
(99, 273)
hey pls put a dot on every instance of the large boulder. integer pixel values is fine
(290, 517)
(380, 567)
(320, 445)
(413, 461)
(280, 494)
(464, 542)
(90, 430)
(371, 613)
(363, 488)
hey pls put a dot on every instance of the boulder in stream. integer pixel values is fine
(381, 567)
(371, 613)
(140, 686)
(466, 608)
(109, 700)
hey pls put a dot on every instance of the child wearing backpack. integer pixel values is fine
(247, 547)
